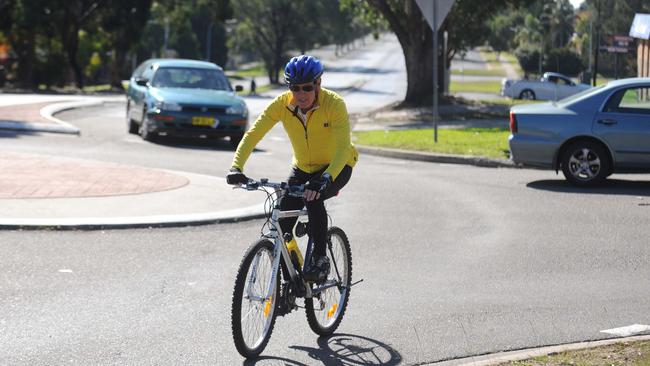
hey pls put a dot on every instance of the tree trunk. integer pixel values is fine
(71, 51)
(419, 74)
(116, 67)
(415, 37)
(25, 49)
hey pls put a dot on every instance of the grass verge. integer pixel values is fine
(625, 353)
(479, 72)
(475, 87)
(258, 90)
(486, 142)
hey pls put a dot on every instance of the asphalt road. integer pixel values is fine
(457, 261)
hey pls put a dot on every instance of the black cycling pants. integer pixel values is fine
(315, 209)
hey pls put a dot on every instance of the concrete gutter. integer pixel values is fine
(524, 354)
(153, 221)
(436, 158)
(58, 126)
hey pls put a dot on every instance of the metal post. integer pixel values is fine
(435, 72)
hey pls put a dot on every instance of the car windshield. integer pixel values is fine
(579, 96)
(193, 78)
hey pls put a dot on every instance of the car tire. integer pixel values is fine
(527, 94)
(131, 125)
(144, 127)
(235, 140)
(585, 163)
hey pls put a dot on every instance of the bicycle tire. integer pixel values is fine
(247, 346)
(326, 315)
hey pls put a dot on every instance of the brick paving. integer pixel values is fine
(24, 113)
(41, 176)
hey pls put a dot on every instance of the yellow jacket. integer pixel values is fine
(324, 141)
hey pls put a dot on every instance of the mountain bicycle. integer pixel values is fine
(269, 279)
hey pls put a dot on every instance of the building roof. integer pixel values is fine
(641, 26)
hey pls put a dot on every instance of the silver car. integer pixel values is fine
(589, 135)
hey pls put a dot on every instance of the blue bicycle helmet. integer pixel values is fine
(302, 69)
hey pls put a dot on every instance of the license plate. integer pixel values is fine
(204, 121)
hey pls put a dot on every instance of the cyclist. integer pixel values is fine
(316, 121)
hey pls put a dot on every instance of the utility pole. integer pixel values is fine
(435, 72)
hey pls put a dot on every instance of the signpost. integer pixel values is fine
(435, 12)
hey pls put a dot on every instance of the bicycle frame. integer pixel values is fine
(280, 249)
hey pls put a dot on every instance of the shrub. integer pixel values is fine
(565, 61)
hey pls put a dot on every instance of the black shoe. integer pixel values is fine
(318, 269)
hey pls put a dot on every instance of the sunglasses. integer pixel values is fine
(305, 88)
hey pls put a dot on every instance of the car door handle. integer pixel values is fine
(607, 121)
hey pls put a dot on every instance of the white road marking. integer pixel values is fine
(135, 140)
(627, 331)
(65, 271)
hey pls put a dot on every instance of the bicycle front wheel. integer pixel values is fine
(325, 310)
(254, 300)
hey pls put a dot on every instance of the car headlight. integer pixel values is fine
(237, 109)
(167, 106)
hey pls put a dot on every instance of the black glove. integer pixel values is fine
(320, 184)
(236, 177)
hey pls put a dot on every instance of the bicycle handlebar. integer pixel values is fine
(289, 190)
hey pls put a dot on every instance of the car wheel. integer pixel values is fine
(235, 140)
(131, 125)
(527, 94)
(585, 163)
(144, 127)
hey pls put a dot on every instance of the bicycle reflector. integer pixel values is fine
(332, 310)
(267, 307)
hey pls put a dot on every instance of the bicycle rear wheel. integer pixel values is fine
(326, 309)
(253, 305)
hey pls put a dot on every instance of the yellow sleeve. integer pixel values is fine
(262, 125)
(341, 128)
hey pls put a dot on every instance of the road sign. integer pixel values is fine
(435, 12)
(641, 26)
(618, 44)
(442, 9)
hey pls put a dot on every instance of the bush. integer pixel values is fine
(565, 61)
(528, 60)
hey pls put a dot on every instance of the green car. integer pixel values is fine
(184, 98)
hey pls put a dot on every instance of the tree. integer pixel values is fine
(501, 33)
(464, 24)
(269, 24)
(71, 16)
(123, 23)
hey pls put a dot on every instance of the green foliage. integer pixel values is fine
(565, 61)
(528, 59)
(501, 32)
(277, 29)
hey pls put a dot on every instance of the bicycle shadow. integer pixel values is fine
(340, 350)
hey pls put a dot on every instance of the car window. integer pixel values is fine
(553, 79)
(632, 100)
(193, 78)
(563, 81)
(148, 72)
(138, 71)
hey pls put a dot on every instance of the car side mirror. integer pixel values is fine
(141, 81)
(239, 88)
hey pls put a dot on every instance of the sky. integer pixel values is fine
(576, 3)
